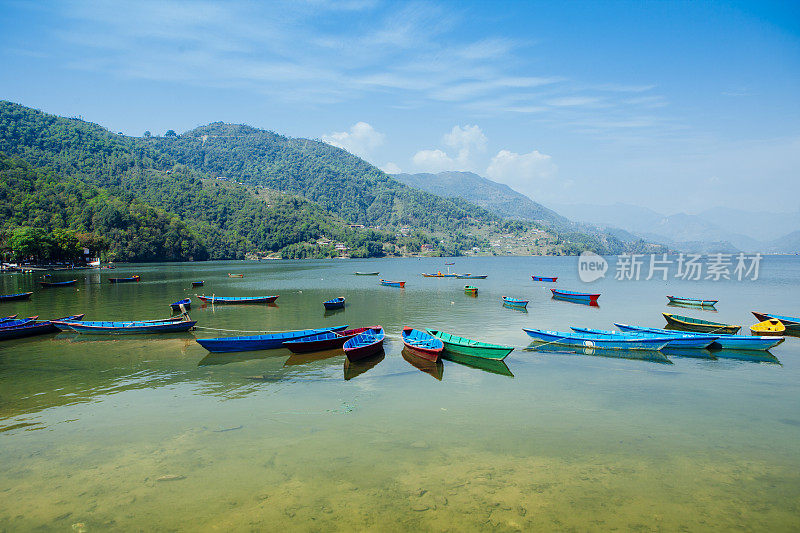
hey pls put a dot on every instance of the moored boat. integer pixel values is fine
(10, 317)
(186, 303)
(573, 296)
(17, 322)
(692, 301)
(335, 303)
(235, 275)
(724, 341)
(123, 280)
(15, 297)
(588, 340)
(471, 290)
(322, 341)
(367, 273)
(133, 327)
(33, 328)
(471, 276)
(548, 279)
(792, 323)
(770, 326)
(267, 341)
(47, 284)
(514, 302)
(222, 300)
(198, 283)
(422, 343)
(454, 344)
(687, 323)
(677, 341)
(389, 283)
(365, 344)
(439, 275)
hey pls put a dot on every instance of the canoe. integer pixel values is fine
(123, 280)
(449, 264)
(770, 326)
(15, 297)
(678, 341)
(186, 303)
(687, 323)
(545, 278)
(471, 276)
(389, 283)
(33, 328)
(724, 341)
(573, 296)
(514, 302)
(692, 301)
(18, 322)
(792, 323)
(220, 300)
(469, 347)
(588, 340)
(470, 289)
(125, 327)
(198, 283)
(432, 368)
(438, 275)
(322, 341)
(336, 303)
(422, 343)
(235, 275)
(269, 341)
(46, 284)
(367, 273)
(10, 317)
(365, 344)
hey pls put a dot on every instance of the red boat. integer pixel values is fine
(367, 343)
(324, 341)
(545, 278)
(422, 344)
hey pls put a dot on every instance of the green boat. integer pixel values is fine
(494, 366)
(688, 323)
(464, 346)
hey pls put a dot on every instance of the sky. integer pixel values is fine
(676, 106)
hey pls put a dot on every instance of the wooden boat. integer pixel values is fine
(46, 284)
(223, 300)
(186, 303)
(354, 369)
(10, 317)
(367, 273)
(268, 341)
(471, 276)
(388, 283)
(438, 275)
(15, 297)
(464, 346)
(336, 303)
(449, 264)
(17, 322)
(677, 341)
(573, 296)
(322, 341)
(235, 275)
(514, 302)
(724, 341)
(422, 343)
(365, 344)
(545, 278)
(432, 368)
(792, 324)
(125, 327)
(33, 328)
(123, 280)
(198, 283)
(692, 301)
(687, 323)
(471, 290)
(770, 326)
(588, 340)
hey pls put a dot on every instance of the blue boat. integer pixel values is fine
(726, 342)
(514, 302)
(270, 341)
(365, 344)
(46, 284)
(588, 340)
(422, 343)
(213, 299)
(186, 303)
(125, 328)
(32, 328)
(682, 341)
(573, 296)
(18, 322)
(7, 318)
(336, 303)
(389, 283)
(330, 340)
(197, 283)
(13, 297)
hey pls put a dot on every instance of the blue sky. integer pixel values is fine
(677, 106)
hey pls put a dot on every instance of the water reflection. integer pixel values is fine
(516, 308)
(312, 357)
(753, 356)
(697, 307)
(429, 367)
(639, 355)
(494, 366)
(238, 357)
(356, 368)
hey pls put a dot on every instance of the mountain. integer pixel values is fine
(752, 223)
(492, 196)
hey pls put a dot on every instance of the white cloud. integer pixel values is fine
(465, 138)
(391, 168)
(526, 173)
(433, 161)
(465, 141)
(360, 140)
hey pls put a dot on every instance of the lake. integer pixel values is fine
(154, 433)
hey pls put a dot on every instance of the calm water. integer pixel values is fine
(153, 433)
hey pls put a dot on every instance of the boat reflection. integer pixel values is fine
(516, 308)
(238, 357)
(697, 307)
(639, 355)
(576, 301)
(332, 312)
(311, 357)
(752, 356)
(494, 366)
(356, 368)
(695, 353)
(429, 367)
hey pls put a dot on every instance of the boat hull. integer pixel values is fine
(235, 300)
(471, 276)
(792, 324)
(124, 280)
(15, 297)
(249, 343)
(579, 297)
(469, 347)
(422, 343)
(598, 341)
(336, 303)
(701, 326)
(514, 302)
(365, 344)
(321, 342)
(723, 342)
(398, 284)
(692, 301)
(53, 284)
(126, 328)
(545, 278)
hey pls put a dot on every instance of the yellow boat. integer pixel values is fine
(472, 291)
(768, 327)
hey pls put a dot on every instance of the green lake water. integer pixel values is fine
(153, 433)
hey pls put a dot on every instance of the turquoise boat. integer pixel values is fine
(588, 340)
(455, 345)
(515, 302)
(679, 341)
(724, 341)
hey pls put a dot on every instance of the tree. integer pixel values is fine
(27, 242)
(170, 133)
(147, 134)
